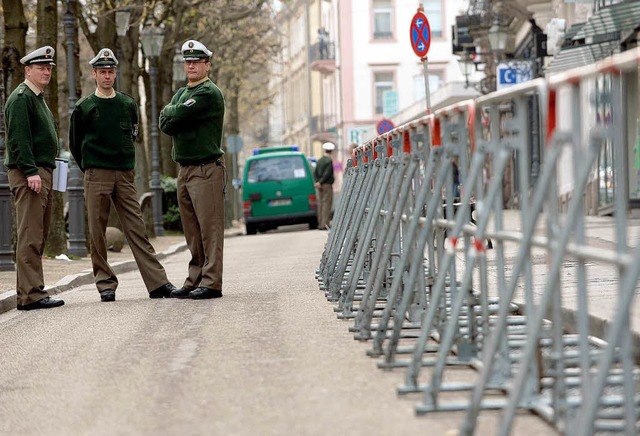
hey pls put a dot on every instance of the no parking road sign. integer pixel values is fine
(420, 34)
(384, 126)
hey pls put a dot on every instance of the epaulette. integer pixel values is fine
(82, 100)
(21, 87)
(133, 100)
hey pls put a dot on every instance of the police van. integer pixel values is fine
(277, 189)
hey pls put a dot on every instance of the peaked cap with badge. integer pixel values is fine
(43, 56)
(104, 59)
(193, 50)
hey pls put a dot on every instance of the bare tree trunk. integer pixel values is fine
(47, 29)
(15, 32)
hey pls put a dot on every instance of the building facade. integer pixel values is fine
(304, 83)
(381, 75)
(346, 64)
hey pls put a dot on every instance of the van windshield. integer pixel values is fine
(276, 169)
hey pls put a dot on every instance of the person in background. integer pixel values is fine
(194, 119)
(456, 180)
(352, 147)
(102, 133)
(32, 147)
(323, 176)
(323, 42)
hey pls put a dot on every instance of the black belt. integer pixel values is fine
(217, 161)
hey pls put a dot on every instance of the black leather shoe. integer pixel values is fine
(181, 293)
(108, 295)
(205, 293)
(163, 291)
(45, 303)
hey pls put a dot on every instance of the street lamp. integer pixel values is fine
(498, 36)
(75, 188)
(6, 249)
(151, 38)
(179, 74)
(122, 25)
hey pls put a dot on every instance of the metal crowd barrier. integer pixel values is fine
(430, 270)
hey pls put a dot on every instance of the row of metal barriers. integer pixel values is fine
(429, 267)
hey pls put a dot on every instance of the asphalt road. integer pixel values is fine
(269, 358)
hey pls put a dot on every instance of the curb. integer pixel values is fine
(8, 299)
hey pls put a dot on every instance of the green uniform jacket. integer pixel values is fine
(194, 119)
(32, 140)
(324, 171)
(102, 132)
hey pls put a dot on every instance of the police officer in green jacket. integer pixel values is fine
(194, 120)
(32, 147)
(324, 178)
(102, 133)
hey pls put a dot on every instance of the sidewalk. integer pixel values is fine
(61, 275)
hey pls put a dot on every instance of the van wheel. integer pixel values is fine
(313, 224)
(251, 229)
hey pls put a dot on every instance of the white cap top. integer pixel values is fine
(193, 50)
(328, 146)
(104, 59)
(43, 55)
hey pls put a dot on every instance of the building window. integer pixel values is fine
(433, 11)
(382, 13)
(382, 82)
(435, 81)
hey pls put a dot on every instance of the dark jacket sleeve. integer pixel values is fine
(76, 136)
(135, 120)
(19, 142)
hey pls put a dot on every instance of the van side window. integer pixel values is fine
(276, 169)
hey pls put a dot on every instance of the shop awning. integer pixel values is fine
(618, 19)
(602, 35)
(580, 56)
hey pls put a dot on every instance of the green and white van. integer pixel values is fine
(277, 189)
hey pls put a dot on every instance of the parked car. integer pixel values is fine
(278, 189)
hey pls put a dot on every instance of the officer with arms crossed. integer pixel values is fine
(32, 146)
(194, 119)
(103, 129)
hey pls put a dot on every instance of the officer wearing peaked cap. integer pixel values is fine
(32, 147)
(104, 59)
(194, 120)
(43, 55)
(324, 178)
(102, 134)
(193, 50)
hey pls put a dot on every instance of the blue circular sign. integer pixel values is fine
(420, 34)
(384, 126)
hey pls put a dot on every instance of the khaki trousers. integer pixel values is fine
(33, 217)
(325, 201)
(201, 202)
(101, 188)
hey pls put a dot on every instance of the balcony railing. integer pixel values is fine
(322, 124)
(322, 52)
